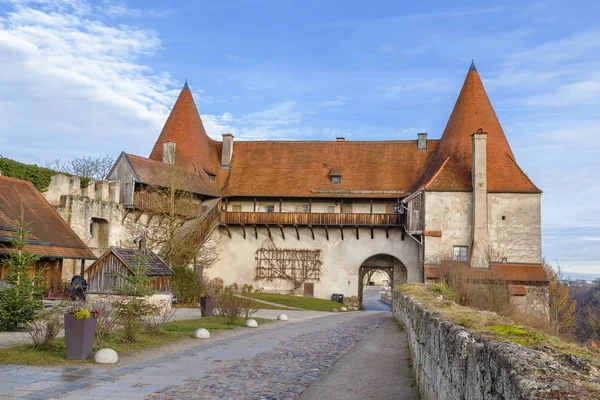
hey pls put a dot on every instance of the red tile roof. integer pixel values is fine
(368, 169)
(157, 173)
(286, 168)
(49, 234)
(194, 150)
(450, 166)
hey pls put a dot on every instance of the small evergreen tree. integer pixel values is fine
(22, 300)
(134, 308)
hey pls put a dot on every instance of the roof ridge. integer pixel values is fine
(437, 173)
(334, 141)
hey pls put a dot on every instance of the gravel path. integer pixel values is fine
(278, 360)
(385, 351)
(282, 372)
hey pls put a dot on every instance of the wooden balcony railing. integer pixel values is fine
(316, 219)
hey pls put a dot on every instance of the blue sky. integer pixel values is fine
(95, 77)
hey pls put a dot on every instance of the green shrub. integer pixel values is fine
(444, 290)
(188, 286)
(22, 300)
(39, 176)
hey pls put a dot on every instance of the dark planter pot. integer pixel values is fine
(79, 337)
(206, 306)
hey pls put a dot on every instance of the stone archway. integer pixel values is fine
(382, 262)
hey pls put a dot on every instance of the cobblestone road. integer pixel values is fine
(273, 363)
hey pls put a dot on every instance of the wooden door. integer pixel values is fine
(347, 208)
(309, 289)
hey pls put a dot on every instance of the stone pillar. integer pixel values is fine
(74, 186)
(227, 151)
(102, 191)
(90, 190)
(59, 186)
(479, 258)
(169, 153)
(115, 191)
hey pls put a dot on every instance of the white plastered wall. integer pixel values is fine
(518, 237)
(450, 213)
(341, 258)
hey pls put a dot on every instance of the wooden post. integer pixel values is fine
(309, 205)
(341, 206)
(280, 205)
(82, 268)
(371, 206)
(255, 204)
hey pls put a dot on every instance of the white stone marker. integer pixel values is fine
(343, 309)
(106, 356)
(282, 317)
(251, 323)
(201, 333)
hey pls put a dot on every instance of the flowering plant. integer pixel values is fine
(82, 312)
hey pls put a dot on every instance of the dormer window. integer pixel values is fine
(211, 174)
(335, 174)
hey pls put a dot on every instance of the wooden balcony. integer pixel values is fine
(311, 219)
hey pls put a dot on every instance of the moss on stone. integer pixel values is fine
(493, 325)
(517, 334)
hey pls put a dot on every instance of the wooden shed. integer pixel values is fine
(104, 275)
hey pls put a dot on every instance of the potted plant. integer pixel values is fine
(80, 329)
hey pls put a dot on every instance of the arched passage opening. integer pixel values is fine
(385, 263)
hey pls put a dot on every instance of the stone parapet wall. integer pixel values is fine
(452, 363)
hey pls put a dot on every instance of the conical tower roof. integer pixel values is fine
(450, 165)
(194, 150)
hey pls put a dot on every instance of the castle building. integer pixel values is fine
(314, 217)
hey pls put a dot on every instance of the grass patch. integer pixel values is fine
(493, 325)
(173, 332)
(307, 303)
(517, 334)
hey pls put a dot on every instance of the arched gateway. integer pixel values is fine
(382, 262)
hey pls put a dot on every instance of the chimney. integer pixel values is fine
(421, 141)
(227, 151)
(168, 156)
(479, 241)
(340, 139)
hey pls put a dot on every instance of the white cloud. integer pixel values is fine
(386, 48)
(74, 85)
(339, 101)
(276, 122)
(422, 85)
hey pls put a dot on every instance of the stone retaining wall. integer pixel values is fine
(452, 363)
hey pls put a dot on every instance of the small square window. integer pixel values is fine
(270, 208)
(503, 217)
(331, 209)
(336, 180)
(461, 253)
(303, 208)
